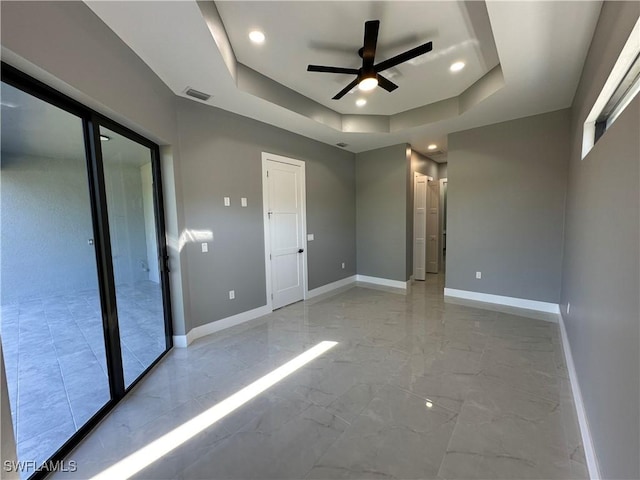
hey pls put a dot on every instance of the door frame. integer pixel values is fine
(441, 230)
(431, 183)
(267, 230)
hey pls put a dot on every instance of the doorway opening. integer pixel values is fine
(426, 226)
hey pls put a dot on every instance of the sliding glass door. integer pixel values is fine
(52, 334)
(128, 177)
(84, 288)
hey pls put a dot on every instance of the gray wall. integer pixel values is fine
(381, 205)
(602, 261)
(424, 165)
(221, 156)
(442, 170)
(505, 202)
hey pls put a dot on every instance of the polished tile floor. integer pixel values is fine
(416, 388)
(55, 360)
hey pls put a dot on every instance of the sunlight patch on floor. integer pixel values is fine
(144, 457)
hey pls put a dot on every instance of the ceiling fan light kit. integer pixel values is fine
(368, 76)
(368, 83)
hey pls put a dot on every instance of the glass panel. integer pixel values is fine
(51, 322)
(132, 226)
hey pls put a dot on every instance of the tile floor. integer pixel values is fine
(55, 360)
(416, 388)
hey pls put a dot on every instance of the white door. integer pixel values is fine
(419, 225)
(285, 223)
(433, 250)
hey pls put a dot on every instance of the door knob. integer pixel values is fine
(301, 250)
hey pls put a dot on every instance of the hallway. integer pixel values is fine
(414, 388)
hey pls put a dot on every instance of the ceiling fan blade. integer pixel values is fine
(346, 90)
(321, 68)
(388, 85)
(403, 57)
(370, 41)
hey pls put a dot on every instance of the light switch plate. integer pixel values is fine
(243, 201)
(205, 247)
(309, 237)
(227, 201)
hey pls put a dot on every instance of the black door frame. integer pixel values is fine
(91, 121)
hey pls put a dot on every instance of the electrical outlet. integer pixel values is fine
(205, 247)
(568, 308)
(227, 201)
(478, 275)
(232, 294)
(343, 265)
(243, 202)
(309, 237)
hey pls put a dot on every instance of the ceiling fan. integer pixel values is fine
(368, 76)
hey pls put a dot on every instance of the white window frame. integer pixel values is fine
(626, 59)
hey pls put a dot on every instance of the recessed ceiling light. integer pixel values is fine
(433, 146)
(104, 138)
(256, 36)
(361, 102)
(457, 66)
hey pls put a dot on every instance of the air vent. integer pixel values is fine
(342, 144)
(196, 94)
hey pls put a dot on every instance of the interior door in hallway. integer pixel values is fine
(419, 225)
(433, 203)
(285, 221)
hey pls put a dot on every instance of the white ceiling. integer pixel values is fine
(292, 44)
(541, 48)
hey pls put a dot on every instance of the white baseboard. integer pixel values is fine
(585, 432)
(331, 286)
(382, 281)
(500, 300)
(182, 341)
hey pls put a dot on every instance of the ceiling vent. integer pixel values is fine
(342, 144)
(196, 94)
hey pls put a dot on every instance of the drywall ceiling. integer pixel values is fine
(292, 44)
(540, 47)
